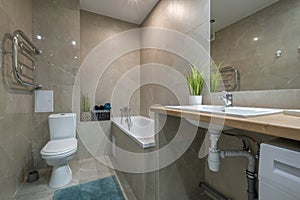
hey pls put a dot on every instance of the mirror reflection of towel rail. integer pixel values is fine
(22, 65)
(231, 78)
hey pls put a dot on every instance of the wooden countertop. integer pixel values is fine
(280, 125)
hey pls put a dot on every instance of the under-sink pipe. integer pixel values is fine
(249, 156)
(250, 172)
(214, 162)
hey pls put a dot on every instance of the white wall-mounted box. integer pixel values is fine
(43, 101)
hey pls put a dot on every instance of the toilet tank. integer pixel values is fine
(62, 125)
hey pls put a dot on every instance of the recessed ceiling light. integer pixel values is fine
(38, 37)
(255, 39)
(73, 42)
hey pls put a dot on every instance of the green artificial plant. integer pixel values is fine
(215, 77)
(86, 104)
(195, 81)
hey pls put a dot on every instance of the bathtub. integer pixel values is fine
(141, 130)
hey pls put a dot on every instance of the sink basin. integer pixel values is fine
(230, 111)
(292, 112)
(199, 108)
(250, 112)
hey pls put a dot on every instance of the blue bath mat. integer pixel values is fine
(101, 189)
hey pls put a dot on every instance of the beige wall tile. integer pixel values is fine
(188, 17)
(58, 24)
(277, 28)
(94, 30)
(16, 105)
(285, 99)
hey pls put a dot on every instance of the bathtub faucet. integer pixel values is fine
(125, 112)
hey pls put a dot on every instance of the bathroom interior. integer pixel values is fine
(113, 75)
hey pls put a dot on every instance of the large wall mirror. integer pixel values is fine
(260, 39)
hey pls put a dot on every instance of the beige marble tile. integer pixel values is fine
(182, 16)
(154, 76)
(83, 171)
(184, 174)
(58, 23)
(285, 99)
(38, 189)
(15, 106)
(297, 99)
(94, 30)
(201, 35)
(188, 17)
(256, 60)
(118, 71)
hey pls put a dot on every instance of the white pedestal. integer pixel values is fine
(61, 175)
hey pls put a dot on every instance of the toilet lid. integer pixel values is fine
(60, 146)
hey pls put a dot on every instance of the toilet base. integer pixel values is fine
(61, 175)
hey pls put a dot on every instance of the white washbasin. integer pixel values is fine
(230, 111)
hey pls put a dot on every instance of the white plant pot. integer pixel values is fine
(195, 100)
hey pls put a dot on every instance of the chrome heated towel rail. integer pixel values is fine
(22, 45)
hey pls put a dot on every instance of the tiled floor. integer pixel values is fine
(83, 171)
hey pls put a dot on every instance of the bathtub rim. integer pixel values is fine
(143, 142)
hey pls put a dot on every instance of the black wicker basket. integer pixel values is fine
(100, 115)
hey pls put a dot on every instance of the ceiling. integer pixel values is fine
(227, 12)
(134, 11)
(224, 12)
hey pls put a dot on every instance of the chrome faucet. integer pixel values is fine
(227, 98)
(125, 112)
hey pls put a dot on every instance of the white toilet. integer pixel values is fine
(61, 147)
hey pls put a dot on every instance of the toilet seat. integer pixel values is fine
(59, 147)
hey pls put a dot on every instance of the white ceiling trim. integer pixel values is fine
(133, 11)
(227, 12)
